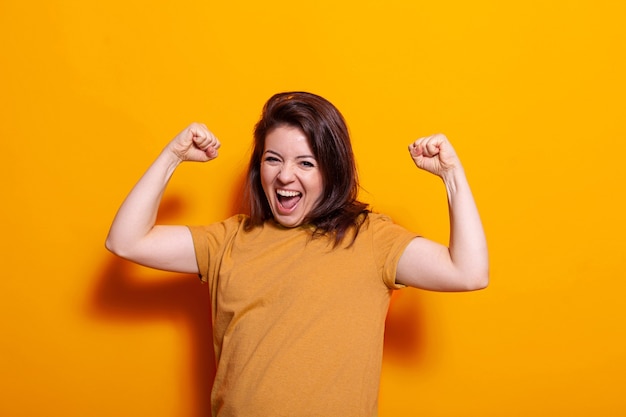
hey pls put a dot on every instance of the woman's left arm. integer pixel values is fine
(464, 264)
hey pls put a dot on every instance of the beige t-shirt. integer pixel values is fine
(297, 324)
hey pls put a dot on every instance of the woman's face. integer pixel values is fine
(290, 175)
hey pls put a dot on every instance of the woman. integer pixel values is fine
(300, 287)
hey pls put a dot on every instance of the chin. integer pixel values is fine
(288, 223)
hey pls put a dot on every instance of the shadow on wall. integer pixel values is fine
(119, 295)
(405, 333)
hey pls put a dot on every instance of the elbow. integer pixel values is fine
(125, 249)
(110, 246)
(480, 284)
(114, 247)
(478, 281)
(472, 279)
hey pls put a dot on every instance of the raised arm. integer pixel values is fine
(133, 234)
(464, 264)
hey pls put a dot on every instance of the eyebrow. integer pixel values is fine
(297, 157)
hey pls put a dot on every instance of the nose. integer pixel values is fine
(287, 173)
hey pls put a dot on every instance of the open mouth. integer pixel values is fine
(288, 199)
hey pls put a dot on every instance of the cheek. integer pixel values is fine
(319, 185)
(265, 175)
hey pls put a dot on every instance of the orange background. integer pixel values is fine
(530, 93)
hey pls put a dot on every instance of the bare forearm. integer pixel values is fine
(468, 245)
(137, 215)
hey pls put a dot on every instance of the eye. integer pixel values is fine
(307, 164)
(271, 159)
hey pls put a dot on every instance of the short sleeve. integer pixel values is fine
(389, 242)
(199, 235)
(208, 242)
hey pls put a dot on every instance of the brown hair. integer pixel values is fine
(327, 133)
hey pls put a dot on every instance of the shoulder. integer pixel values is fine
(376, 221)
(219, 230)
(381, 231)
(378, 217)
(234, 222)
(385, 232)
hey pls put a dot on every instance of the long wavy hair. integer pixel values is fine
(329, 139)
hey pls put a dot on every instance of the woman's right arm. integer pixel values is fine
(134, 235)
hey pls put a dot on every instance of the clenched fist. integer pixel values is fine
(195, 143)
(434, 154)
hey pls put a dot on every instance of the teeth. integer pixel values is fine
(285, 193)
